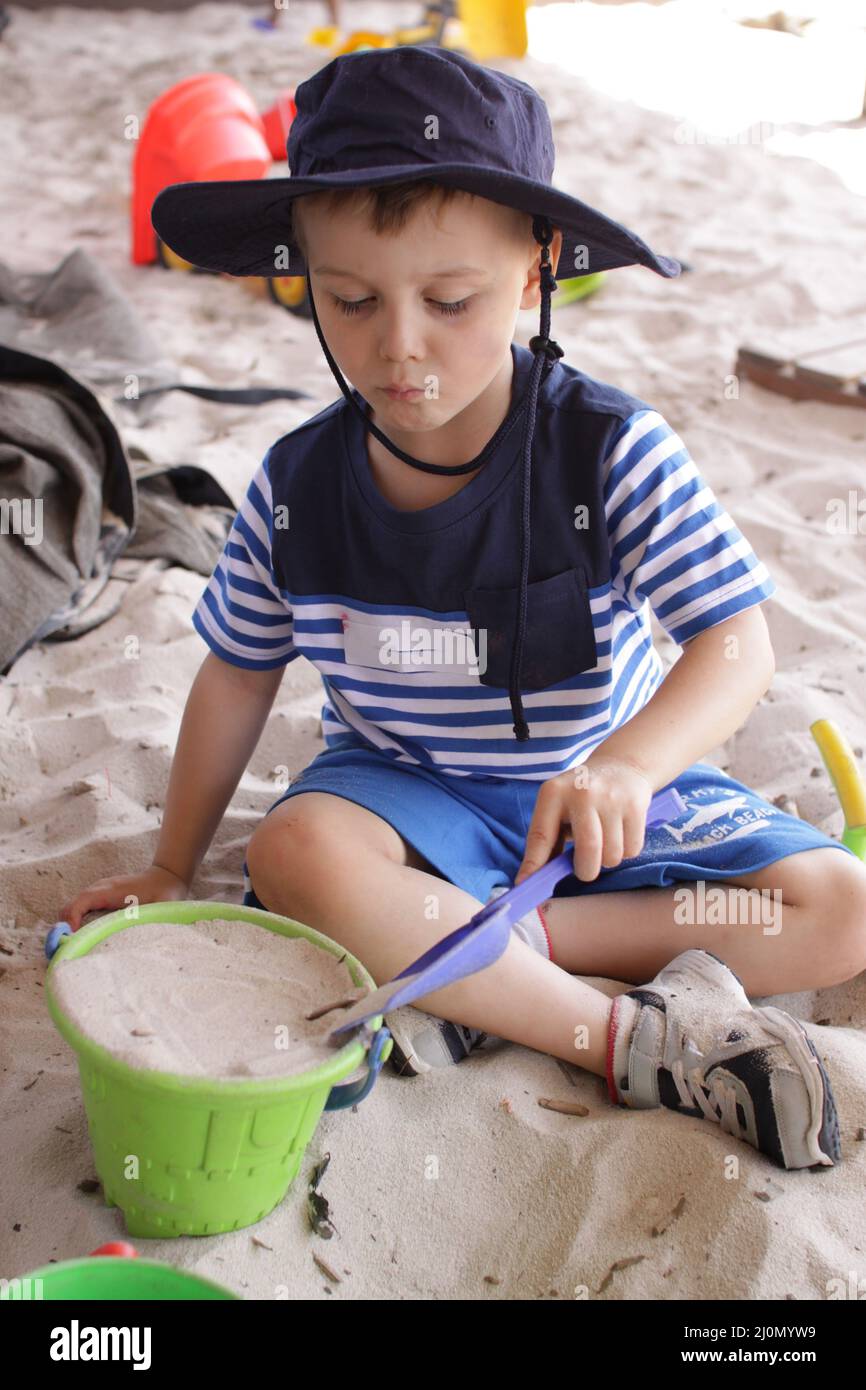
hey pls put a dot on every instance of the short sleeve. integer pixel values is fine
(671, 542)
(242, 614)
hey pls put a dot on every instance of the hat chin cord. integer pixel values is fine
(546, 352)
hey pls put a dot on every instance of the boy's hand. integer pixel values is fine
(602, 805)
(153, 885)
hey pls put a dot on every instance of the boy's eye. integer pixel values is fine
(352, 306)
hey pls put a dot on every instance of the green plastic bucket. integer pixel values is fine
(106, 1279)
(211, 1155)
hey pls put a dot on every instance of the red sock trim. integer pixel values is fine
(611, 1040)
(546, 933)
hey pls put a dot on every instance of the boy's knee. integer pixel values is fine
(299, 851)
(286, 850)
(281, 834)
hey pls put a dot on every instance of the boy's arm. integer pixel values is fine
(706, 696)
(226, 710)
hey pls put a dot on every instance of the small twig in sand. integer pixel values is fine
(565, 1107)
(617, 1265)
(338, 1004)
(326, 1269)
(677, 1212)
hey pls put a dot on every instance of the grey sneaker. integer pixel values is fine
(691, 1041)
(422, 1041)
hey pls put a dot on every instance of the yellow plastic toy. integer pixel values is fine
(481, 29)
(493, 28)
(841, 763)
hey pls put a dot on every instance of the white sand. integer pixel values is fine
(213, 998)
(437, 1184)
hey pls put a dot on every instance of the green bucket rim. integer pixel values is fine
(104, 1264)
(330, 1073)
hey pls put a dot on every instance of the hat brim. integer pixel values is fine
(241, 226)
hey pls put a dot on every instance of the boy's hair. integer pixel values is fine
(388, 205)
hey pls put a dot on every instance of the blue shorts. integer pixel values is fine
(473, 829)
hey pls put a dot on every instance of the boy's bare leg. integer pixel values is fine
(804, 935)
(387, 914)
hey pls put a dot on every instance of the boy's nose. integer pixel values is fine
(400, 341)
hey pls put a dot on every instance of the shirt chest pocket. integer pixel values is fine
(409, 646)
(559, 640)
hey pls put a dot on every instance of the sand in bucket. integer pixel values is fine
(213, 998)
(202, 1076)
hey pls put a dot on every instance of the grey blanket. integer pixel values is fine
(80, 515)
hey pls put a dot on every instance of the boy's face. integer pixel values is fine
(383, 317)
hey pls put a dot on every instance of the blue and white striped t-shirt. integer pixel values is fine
(409, 615)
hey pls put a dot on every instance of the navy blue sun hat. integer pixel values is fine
(406, 115)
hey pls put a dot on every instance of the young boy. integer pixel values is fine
(481, 710)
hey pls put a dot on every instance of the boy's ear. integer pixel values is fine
(555, 251)
(531, 297)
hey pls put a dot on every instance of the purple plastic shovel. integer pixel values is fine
(485, 937)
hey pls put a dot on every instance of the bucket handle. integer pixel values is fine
(342, 1096)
